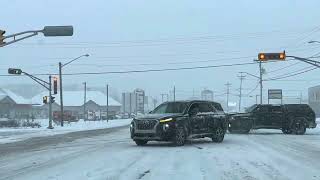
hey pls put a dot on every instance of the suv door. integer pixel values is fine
(275, 116)
(207, 112)
(260, 116)
(194, 118)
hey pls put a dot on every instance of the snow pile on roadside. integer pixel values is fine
(8, 135)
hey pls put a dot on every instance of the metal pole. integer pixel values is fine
(61, 93)
(130, 105)
(228, 85)
(136, 104)
(240, 95)
(174, 93)
(260, 68)
(50, 105)
(107, 102)
(85, 100)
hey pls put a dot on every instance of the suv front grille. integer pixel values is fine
(145, 124)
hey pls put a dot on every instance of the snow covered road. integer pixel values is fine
(263, 154)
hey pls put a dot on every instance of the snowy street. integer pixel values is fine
(111, 155)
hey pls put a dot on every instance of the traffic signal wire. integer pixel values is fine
(146, 70)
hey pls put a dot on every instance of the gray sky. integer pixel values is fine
(122, 34)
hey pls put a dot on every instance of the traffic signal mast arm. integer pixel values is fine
(43, 83)
(15, 39)
(309, 61)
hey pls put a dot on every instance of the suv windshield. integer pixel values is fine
(172, 107)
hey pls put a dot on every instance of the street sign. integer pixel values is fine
(274, 93)
(272, 56)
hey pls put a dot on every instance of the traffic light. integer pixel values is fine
(55, 85)
(14, 71)
(52, 99)
(2, 37)
(45, 99)
(272, 56)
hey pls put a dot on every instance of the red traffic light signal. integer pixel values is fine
(2, 37)
(271, 56)
(55, 85)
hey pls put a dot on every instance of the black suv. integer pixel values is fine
(290, 118)
(180, 120)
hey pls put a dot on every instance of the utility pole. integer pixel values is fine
(174, 93)
(228, 92)
(61, 93)
(107, 103)
(242, 77)
(260, 69)
(84, 100)
(130, 105)
(162, 97)
(50, 104)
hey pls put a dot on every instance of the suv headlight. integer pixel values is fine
(166, 120)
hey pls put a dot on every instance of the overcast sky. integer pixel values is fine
(125, 35)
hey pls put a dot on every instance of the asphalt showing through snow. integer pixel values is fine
(111, 155)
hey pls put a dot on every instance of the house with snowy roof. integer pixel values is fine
(13, 106)
(94, 107)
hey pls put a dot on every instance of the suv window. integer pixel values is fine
(262, 109)
(217, 106)
(205, 107)
(275, 109)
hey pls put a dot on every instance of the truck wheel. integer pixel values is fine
(298, 127)
(140, 142)
(179, 137)
(218, 135)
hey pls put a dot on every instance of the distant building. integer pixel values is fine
(134, 102)
(314, 99)
(207, 95)
(13, 106)
(73, 101)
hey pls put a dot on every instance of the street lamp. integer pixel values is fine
(47, 31)
(311, 42)
(60, 79)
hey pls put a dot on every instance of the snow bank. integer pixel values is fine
(8, 135)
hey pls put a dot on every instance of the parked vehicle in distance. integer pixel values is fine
(290, 118)
(180, 120)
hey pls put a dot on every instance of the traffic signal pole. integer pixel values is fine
(260, 69)
(61, 93)
(50, 105)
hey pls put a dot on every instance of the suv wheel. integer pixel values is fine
(141, 142)
(179, 137)
(218, 135)
(298, 127)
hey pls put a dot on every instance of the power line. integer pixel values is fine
(147, 70)
(271, 79)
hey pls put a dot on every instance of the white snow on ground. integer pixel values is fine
(259, 155)
(8, 135)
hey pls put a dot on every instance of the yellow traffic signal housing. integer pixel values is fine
(271, 56)
(2, 37)
(45, 99)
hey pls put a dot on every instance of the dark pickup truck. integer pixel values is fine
(180, 120)
(290, 118)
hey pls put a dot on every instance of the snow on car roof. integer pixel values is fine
(75, 98)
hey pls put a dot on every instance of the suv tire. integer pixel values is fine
(179, 137)
(218, 135)
(298, 127)
(140, 142)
